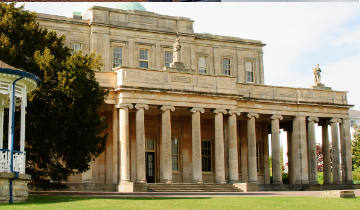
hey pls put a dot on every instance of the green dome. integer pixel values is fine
(131, 6)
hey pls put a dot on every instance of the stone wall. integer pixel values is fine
(20, 188)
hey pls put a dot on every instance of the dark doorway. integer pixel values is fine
(150, 167)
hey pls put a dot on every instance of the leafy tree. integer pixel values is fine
(355, 149)
(63, 130)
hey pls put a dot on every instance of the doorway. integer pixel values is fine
(150, 160)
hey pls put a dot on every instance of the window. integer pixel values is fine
(76, 47)
(144, 58)
(168, 58)
(249, 69)
(117, 57)
(206, 155)
(226, 66)
(175, 153)
(202, 65)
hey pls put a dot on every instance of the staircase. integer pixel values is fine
(189, 187)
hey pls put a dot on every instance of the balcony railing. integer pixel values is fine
(19, 159)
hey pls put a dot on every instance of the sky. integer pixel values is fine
(298, 36)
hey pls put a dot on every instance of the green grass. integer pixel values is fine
(283, 203)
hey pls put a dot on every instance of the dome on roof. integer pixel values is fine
(131, 6)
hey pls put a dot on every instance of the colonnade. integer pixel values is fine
(301, 144)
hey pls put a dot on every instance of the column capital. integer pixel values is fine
(334, 120)
(197, 109)
(167, 107)
(251, 115)
(121, 106)
(233, 111)
(142, 106)
(313, 119)
(218, 111)
(276, 117)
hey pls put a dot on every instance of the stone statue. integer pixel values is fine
(317, 77)
(176, 53)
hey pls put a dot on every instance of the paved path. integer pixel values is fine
(181, 195)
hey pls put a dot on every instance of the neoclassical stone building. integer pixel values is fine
(185, 107)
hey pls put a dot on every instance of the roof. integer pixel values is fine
(7, 69)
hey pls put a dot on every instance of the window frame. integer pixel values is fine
(252, 61)
(211, 155)
(122, 55)
(144, 60)
(230, 66)
(72, 43)
(206, 64)
(167, 51)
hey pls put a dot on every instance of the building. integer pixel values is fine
(193, 108)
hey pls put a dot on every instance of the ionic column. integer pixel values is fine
(140, 142)
(219, 146)
(313, 177)
(165, 150)
(196, 144)
(346, 151)
(233, 146)
(326, 154)
(124, 140)
(251, 137)
(335, 150)
(275, 148)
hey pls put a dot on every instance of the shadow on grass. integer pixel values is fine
(46, 199)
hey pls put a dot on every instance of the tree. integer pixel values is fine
(64, 130)
(355, 149)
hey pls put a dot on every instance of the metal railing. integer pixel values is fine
(19, 159)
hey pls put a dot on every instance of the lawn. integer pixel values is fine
(283, 203)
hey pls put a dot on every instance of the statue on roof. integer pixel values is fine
(176, 53)
(317, 76)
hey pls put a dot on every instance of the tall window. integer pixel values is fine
(249, 69)
(175, 153)
(144, 58)
(168, 58)
(206, 155)
(76, 47)
(202, 65)
(226, 66)
(117, 57)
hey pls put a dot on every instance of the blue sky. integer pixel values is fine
(298, 36)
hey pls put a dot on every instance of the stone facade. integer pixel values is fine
(207, 120)
(20, 189)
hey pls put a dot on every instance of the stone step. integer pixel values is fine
(189, 187)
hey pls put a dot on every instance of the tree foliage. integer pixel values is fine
(355, 149)
(63, 130)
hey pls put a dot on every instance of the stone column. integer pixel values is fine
(326, 154)
(346, 151)
(313, 177)
(124, 140)
(251, 137)
(335, 150)
(299, 150)
(233, 146)
(290, 157)
(165, 149)
(196, 144)
(219, 146)
(266, 154)
(140, 142)
(275, 148)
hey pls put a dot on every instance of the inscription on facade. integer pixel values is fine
(182, 79)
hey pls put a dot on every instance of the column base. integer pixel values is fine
(140, 181)
(125, 186)
(165, 181)
(198, 182)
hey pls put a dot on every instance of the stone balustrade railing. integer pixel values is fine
(217, 85)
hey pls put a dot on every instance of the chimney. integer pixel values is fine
(77, 15)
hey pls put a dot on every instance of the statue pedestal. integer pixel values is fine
(177, 65)
(321, 87)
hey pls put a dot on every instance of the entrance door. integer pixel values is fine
(150, 160)
(150, 166)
